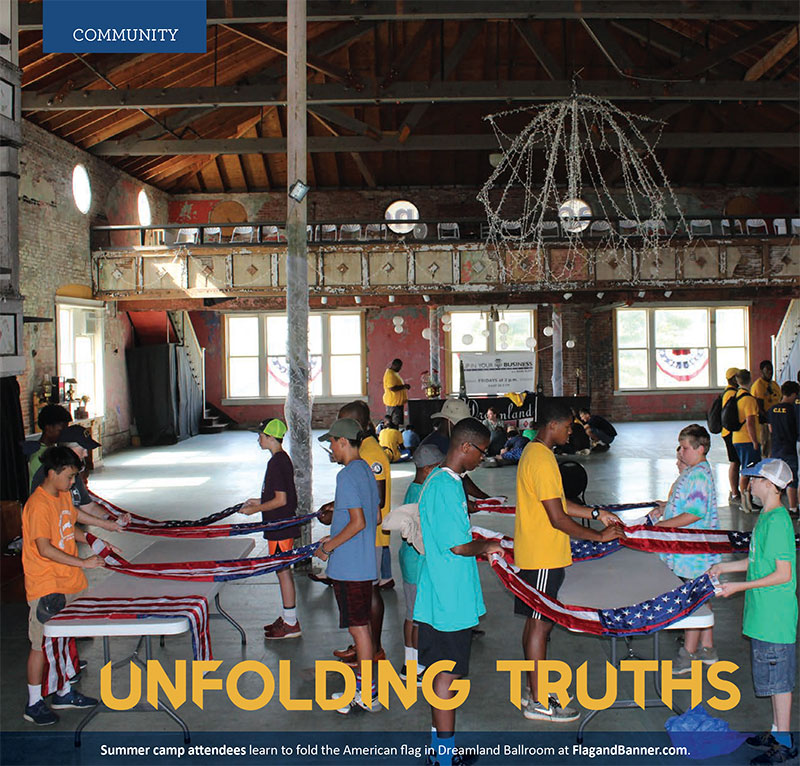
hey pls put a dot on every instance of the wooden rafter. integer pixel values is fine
(787, 43)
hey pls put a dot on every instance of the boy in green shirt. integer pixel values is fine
(770, 606)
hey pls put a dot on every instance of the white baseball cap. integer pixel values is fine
(771, 469)
(453, 410)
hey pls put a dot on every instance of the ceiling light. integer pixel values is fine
(324, 300)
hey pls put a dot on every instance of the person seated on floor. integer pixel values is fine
(383, 423)
(512, 450)
(579, 442)
(410, 438)
(600, 432)
(391, 440)
(495, 426)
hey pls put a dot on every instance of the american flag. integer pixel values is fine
(206, 571)
(61, 655)
(647, 617)
(497, 505)
(200, 527)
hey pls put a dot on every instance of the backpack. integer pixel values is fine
(730, 413)
(714, 415)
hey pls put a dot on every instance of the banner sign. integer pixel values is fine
(124, 26)
(498, 373)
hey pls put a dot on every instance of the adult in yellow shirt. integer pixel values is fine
(395, 392)
(767, 394)
(727, 437)
(542, 531)
(745, 440)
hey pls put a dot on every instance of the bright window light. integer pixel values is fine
(401, 210)
(81, 189)
(145, 216)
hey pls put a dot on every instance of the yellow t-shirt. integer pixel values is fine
(393, 398)
(747, 406)
(53, 518)
(727, 394)
(537, 544)
(378, 461)
(391, 440)
(769, 391)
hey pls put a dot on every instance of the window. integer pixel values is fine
(472, 332)
(81, 189)
(145, 216)
(401, 210)
(682, 347)
(80, 352)
(335, 348)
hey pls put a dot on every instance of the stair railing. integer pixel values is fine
(786, 337)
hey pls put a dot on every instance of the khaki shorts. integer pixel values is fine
(35, 628)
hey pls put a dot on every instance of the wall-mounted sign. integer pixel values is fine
(498, 373)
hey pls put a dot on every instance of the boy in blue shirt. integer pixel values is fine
(770, 607)
(449, 600)
(350, 547)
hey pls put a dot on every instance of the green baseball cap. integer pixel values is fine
(343, 427)
(274, 427)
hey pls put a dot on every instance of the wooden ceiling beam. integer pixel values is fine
(434, 143)
(604, 39)
(415, 92)
(270, 11)
(787, 43)
(409, 53)
(537, 46)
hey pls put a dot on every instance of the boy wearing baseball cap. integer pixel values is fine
(350, 547)
(278, 501)
(770, 606)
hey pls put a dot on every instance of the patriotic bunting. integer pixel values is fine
(60, 653)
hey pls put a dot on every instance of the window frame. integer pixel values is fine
(711, 310)
(325, 396)
(97, 408)
(449, 376)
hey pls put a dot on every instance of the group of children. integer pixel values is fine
(444, 601)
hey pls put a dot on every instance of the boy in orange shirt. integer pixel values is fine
(53, 575)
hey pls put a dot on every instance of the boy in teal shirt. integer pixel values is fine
(426, 458)
(770, 606)
(449, 600)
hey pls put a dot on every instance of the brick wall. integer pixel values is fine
(54, 252)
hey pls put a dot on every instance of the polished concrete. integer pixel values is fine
(210, 472)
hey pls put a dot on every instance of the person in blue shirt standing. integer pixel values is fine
(449, 601)
(350, 547)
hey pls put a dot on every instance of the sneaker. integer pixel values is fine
(379, 655)
(778, 753)
(358, 703)
(708, 654)
(536, 711)
(40, 714)
(404, 675)
(584, 452)
(73, 699)
(346, 655)
(281, 629)
(683, 662)
(734, 498)
(763, 741)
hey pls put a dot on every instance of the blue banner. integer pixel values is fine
(124, 26)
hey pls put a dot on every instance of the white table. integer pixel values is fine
(118, 585)
(620, 579)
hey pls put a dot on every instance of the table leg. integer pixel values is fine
(226, 616)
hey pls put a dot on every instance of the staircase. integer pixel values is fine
(213, 420)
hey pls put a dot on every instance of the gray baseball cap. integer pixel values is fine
(428, 454)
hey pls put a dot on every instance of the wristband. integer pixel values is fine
(327, 553)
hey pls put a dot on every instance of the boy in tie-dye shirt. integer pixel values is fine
(692, 503)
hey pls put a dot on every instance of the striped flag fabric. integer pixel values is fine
(60, 653)
(206, 571)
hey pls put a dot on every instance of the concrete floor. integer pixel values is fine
(208, 473)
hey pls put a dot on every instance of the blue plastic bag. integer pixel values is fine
(703, 735)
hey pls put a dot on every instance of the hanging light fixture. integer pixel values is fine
(493, 314)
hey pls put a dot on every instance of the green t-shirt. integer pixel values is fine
(770, 614)
(449, 595)
(34, 463)
(409, 558)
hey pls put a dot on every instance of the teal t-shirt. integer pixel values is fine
(409, 558)
(770, 614)
(449, 596)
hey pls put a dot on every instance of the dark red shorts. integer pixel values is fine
(355, 602)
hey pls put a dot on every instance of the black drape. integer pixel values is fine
(13, 465)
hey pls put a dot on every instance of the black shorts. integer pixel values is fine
(354, 598)
(547, 581)
(731, 450)
(435, 645)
